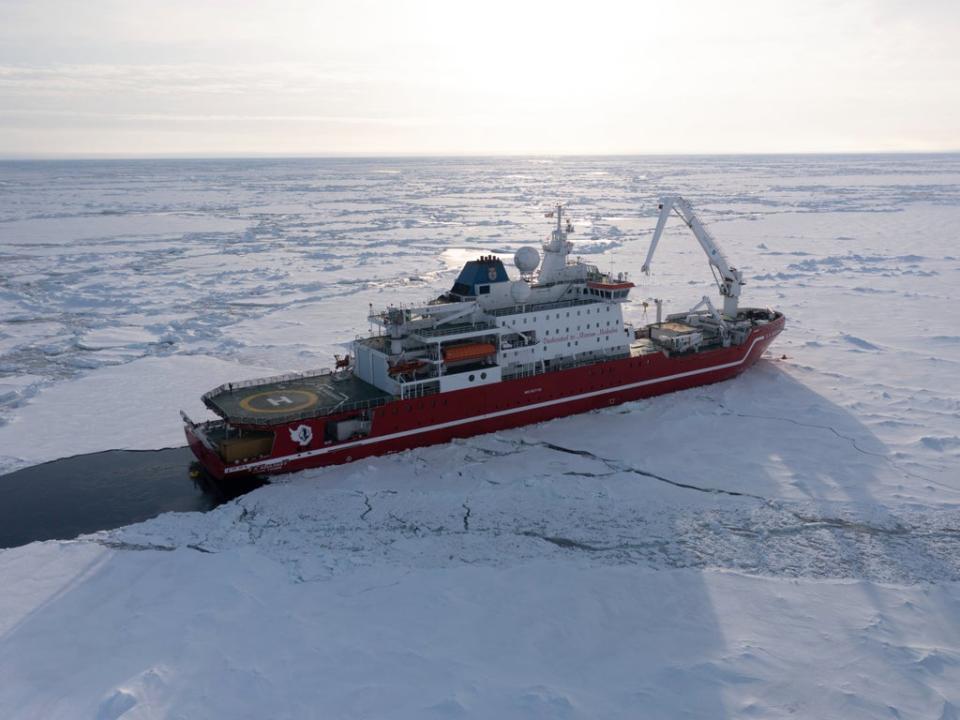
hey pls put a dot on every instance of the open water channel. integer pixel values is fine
(86, 493)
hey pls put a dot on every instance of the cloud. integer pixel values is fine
(195, 79)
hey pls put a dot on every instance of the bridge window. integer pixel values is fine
(484, 289)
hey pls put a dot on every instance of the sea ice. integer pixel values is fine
(783, 544)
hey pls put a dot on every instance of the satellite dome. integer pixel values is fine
(527, 259)
(519, 290)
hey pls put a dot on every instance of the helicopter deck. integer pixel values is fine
(292, 397)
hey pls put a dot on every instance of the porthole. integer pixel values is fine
(471, 378)
(483, 376)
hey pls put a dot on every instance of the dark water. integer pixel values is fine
(82, 494)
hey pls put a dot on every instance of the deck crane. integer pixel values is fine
(728, 278)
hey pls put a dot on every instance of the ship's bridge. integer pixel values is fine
(607, 287)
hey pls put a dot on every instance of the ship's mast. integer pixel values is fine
(556, 249)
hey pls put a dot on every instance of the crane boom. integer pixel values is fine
(728, 278)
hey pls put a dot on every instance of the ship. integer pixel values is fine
(491, 353)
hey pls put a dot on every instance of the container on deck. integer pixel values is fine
(677, 336)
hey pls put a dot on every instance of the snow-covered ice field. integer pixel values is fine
(786, 544)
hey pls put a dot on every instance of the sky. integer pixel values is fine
(352, 77)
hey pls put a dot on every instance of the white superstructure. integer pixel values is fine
(490, 327)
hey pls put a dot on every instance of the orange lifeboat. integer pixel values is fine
(406, 368)
(468, 351)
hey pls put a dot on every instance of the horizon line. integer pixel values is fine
(52, 157)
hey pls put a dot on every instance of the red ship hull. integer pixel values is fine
(404, 424)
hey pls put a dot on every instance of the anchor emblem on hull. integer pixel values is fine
(302, 434)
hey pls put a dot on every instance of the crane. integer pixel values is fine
(728, 278)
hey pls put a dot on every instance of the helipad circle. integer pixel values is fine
(278, 401)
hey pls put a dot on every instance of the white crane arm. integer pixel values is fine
(728, 278)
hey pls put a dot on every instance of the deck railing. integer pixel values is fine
(312, 412)
(455, 329)
(286, 377)
(517, 309)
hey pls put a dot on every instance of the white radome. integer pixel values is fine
(520, 291)
(526, 259)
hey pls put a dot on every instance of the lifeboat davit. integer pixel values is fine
(468, 351)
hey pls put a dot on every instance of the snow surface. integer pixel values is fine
(784, 544)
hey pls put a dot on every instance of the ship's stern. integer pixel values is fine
(208, 457)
